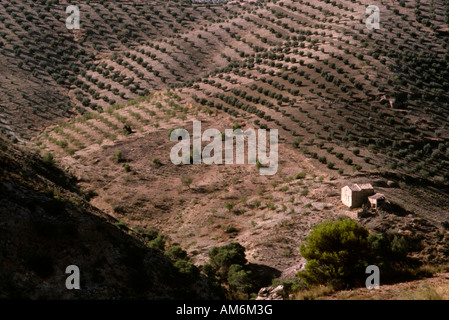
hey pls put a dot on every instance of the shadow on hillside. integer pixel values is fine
(263, 275)
(395, 209)
(55, 174)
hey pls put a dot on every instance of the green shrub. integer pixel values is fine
(118, 156)
(292, 285)
(322, 159)
(47, 158)
(256, 203)
(239, 279)
(150, 234)
(300, 175)
(176, 253)
(235, 126)
(229, 205)
(399, 247)
(336, 254)
(186, 180)
(388, 249)
(230, 229)
(121, 224)
(270, 205)
(221, 258)
(158, 243)
(187, 269)
(209, 271)
(156, 163)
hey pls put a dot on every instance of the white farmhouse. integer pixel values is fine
(355, 195)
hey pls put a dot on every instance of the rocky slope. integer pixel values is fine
(46, 225)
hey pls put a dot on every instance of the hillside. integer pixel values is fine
(311, 69)
(47, 225)
(352, 105)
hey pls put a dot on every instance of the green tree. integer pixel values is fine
(187, 268)
(176, 253)
(336, 254)
(158, 243)
(222, 258)
(239, 279)
(388, 249)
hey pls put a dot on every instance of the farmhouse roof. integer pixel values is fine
(377, 196)
(354, 187)
(360, 187)
(365, 186)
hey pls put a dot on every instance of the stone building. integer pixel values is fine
(376, 200)
(355, 195)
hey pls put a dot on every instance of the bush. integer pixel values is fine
(121, 224)
(118, 156)
(256, 203)
(48, 158)
(230, 229)
(186, 180)
(222, 258)
(300, 175)
(290, 286)
(239, 279)
(336, 254)
(229, 205)
(176, 253)
(187, 269)
(158, 243)
(388, 249)
(399, 247)
(156, 163)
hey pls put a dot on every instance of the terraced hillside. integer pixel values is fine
(354, 99)
(311, 69)
(122, 51)
(315, 72)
